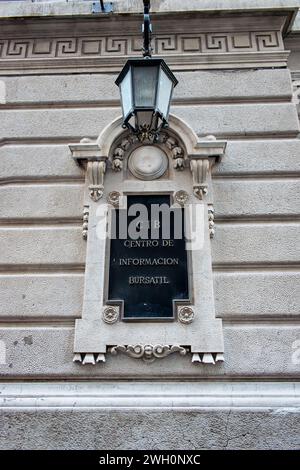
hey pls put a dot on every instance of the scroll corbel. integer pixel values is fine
(89, 156)
(95, 174)
(204, 155)
(200, 170)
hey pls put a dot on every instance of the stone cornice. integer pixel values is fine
(84, 8)
(188, 43)
(131, 25)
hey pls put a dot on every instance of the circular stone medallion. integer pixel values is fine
(148, 162)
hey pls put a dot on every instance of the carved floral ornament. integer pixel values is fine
(148, 352)
(186, 314)
(211, 218)
(85, 223)
(199, 155)
(113, 198)
(181, 197)
(165, 139)
(110, 314)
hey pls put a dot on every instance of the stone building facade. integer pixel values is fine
(238, 67)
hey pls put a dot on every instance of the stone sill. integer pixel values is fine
(150, 395)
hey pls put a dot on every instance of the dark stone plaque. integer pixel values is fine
(146, 273)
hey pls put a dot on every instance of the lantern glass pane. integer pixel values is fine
(126, 94)
(165, 88)
(144, 84)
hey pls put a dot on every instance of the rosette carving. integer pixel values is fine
(186, 314)
(110, 314)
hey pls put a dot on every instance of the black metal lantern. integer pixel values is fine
(146, 87)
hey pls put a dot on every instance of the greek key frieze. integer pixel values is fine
(120, 46)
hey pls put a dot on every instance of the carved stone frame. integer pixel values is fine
(194, 330)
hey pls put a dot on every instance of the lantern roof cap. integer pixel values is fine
(146, 62)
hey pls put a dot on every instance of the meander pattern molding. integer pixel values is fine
(195, 331)
(121, 46)
(226, 42)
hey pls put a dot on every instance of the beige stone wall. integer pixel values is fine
(256, 201)
(255, 249)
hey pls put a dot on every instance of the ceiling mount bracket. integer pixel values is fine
(101, 7)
